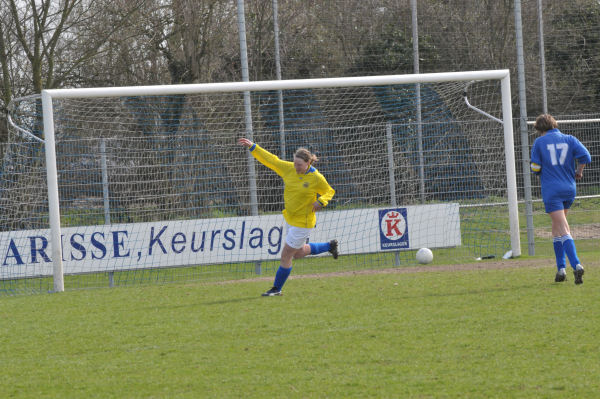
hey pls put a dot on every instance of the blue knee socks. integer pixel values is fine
(281, 276)
(319, 247)
(569, 247)
(559, 252)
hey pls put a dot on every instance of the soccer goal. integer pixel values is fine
(127, 184)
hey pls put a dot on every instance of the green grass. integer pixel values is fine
(464, 334)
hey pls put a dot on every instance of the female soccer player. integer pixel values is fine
(302, 183)
(553, 158)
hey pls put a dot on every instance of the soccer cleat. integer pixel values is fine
(578, 272)
(274, 291)
(333, 248)
(561, 276)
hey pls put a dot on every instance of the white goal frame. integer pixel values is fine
(48, 95)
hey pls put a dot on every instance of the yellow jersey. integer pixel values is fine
(299, 191)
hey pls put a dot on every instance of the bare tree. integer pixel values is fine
(48, 41)
(48, 44)
(195, 39)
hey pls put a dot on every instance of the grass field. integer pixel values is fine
(433, 332)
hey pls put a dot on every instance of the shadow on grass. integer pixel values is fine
(232, 300)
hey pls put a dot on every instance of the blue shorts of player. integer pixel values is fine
(556, 203)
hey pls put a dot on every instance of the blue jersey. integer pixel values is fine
(553, 157)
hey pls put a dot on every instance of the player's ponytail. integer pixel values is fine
(306, 156)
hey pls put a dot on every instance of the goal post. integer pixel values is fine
(53, 199)
(165, 167)
(511, 174)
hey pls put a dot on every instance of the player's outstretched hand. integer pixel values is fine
(245, 142)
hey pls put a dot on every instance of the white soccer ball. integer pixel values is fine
(424, 255)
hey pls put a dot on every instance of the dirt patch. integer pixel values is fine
(579, 232)
(483, 265)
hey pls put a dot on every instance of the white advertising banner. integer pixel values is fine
(113, 247)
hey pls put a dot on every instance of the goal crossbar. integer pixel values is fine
(290, 84)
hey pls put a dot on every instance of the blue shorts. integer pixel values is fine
(557, 204)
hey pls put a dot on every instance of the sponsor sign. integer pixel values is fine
(113, 247)
(393, 229)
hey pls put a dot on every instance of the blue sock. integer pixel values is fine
(319, 247)
(569, 246)
(559, 252)
(281, 276)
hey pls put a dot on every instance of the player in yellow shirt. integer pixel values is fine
(302, 183)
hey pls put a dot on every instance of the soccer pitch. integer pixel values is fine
(427, 332)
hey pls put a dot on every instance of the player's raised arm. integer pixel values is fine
(263, 156)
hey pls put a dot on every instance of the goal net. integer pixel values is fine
(137, 184)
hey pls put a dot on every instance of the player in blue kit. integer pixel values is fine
(553, 158)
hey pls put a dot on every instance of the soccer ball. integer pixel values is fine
(424, 255)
